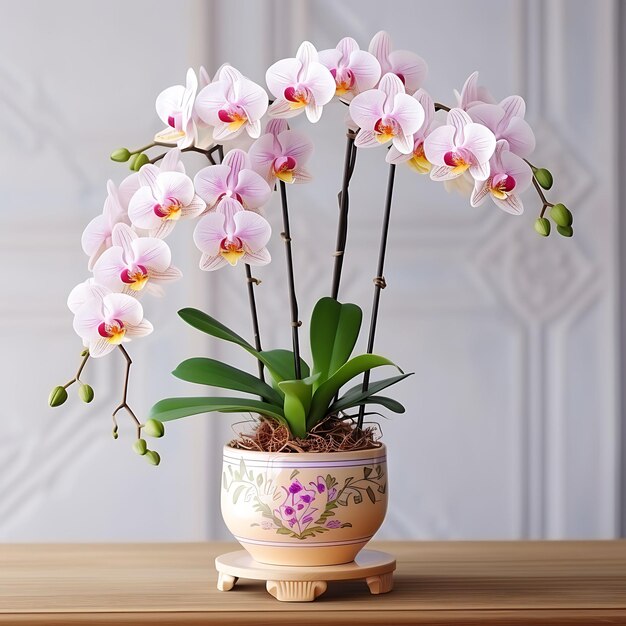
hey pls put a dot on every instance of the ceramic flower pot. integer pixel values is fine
(304, 508)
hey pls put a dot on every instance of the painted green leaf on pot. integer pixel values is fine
(334, 332)
(205, 371)
(356, 395)
(298, 394)
(323, 396)
(175, 408)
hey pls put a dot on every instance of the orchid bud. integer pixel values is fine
(140, 161)
(153, 428)
(85, 393)
(57, 396)
(153, 457)
(114, 433)
(566, 231)
(120, 155)
(131, 162)
(561, 215)
(140, 447)
(85, 352)
(543, 177)
(542, 226)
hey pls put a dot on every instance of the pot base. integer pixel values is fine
(304, 584)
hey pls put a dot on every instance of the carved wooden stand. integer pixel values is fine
(304, 584)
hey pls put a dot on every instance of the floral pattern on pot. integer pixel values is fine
(302, 510)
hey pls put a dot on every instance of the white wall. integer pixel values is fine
(511, 429)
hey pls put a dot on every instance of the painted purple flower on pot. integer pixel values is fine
(333, 523)
(296, 510)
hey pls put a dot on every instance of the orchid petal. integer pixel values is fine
(296, 144)
(331, 58)
(237, 160)
(194, 208)
(282, 74)
(391, 86)
(262, 154)
(253, 229)
(425, 99)
(209, 234)
(209, 263)
(123, 236)
(148, 176)
(95, 234)
(171, 162)
(366, 139)
(443, 172)
(469, 92)
(520, 136)
(119, 306)
(141, 209)
(164, 228)
(127, 189)
(365, 69)
(409, 113)
(176, 186)
(169, 101)
(410, 67)
(480, 171)
(439, 142)
(404, 143)
(171, 273)
(211, 182)
(321, 83)
(479, 193)
(459, 119)
(254, 129)
(152, 253)
(346, 47)
(367, 108)
(396, 157)
(208, 102)
(252, 98)
(513, 106)
(260, 257)
(480, 141)
(380, 47)
(107, 269)
(306, 54)
(276, 126)
(141, 329)
(283, 109)
(99, 347)
(88, 318)
(313, 111)
(511, 204)
(253, 189)
(489, 115)
(518, 169)
(301, 176)
(83, 292)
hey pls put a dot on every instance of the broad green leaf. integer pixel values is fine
(323, 396)
(281, 365)
(334, 331)
(276, 361)
(175, 408)
(205, 371)
(388, 403)
(298, 394)
(356, 395)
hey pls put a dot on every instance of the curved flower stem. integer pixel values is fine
(379, 282)
(207, 153)
(344, 203)
(124, 403)
(295, 322)
(81, 367)
(441, 107)
(255, 318)
(539, 190)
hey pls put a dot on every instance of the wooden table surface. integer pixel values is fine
(467, 583)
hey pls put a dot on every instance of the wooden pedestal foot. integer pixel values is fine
(225, 582)
(383, 583)
(296, 590)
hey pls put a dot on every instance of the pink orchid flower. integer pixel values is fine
(509, 176)
(163, 199)
(472, 93)
(133, 263)
(506, 121)
(417, 159)
(83, 292)
(174, 106)
(410, 68)
(354, 70)
(282, 156)
(96, 237)
(231, 234)
(232, 103)
(109, 319)
(234, 178)
(458, 146)
(300, 84)
(386, 114)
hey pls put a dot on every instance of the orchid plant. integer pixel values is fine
(478, 144)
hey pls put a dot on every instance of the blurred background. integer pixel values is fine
(513, 416)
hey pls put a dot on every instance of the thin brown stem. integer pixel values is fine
(441, 107)
(124, 403)
(78, 372)
(207, 153)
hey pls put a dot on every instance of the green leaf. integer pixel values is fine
(281, 366)
(322, 398)
(206, 371)
(388, 403)
(298, 394)
(334, 331)
(175, 408)
(356, 395)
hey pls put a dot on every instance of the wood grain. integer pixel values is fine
(436, 583)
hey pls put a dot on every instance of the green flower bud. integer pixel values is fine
(57, 396)
(153, 457)
(543, 177)
(140, 446)
(121, 155)
(566, 231)
(542, 226)
(85, 352)
(153, 428)
(131, 162)
(140, 161)
(114, 433)
(85, 393)
(561, 215)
